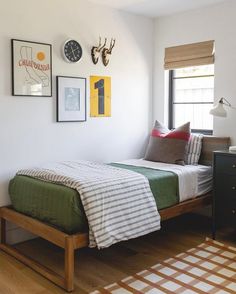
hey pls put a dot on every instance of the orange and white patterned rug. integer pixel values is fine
(208, 268)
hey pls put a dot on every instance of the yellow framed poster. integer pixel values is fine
(100, 96)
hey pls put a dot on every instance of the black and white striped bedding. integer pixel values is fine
(118, 203)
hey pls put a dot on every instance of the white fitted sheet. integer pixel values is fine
(194, 180)
(205, 179)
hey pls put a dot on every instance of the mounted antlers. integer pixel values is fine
(106, 53)
(95, 51)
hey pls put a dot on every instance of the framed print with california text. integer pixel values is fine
(31, 68)
(71, 99)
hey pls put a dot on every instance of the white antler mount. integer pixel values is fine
(95, 51)
(106, 53)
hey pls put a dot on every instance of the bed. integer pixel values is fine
(55, 212)
(61, 207)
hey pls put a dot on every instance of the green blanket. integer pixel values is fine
(164, 184)
(61, 206)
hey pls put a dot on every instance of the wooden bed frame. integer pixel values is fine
(70, 242)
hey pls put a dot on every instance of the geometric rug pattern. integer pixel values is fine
(208, 268)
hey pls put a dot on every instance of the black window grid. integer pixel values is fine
(172, 102)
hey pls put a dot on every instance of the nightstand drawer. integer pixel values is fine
(226, 213)
(225, 164)
(230, 214)
(226, 186)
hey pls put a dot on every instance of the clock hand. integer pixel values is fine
(76, 49)
(72, 51)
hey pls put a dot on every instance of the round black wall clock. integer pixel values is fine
(72, 51)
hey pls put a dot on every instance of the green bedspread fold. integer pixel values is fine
(61, 206)
(164, 184)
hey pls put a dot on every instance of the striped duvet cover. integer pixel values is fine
(118, 203)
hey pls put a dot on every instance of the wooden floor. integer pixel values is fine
(94, 268)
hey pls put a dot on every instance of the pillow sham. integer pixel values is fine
(168, 146)
(194, 148)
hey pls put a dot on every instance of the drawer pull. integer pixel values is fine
(233, 188)
(233, 211)
(234, 166)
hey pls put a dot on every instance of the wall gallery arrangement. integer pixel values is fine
(31, 68)
(32, 76)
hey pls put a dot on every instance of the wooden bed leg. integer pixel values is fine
(68, 242)
(3, 231)
(69, 264)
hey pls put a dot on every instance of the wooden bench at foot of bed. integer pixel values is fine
(70, 242)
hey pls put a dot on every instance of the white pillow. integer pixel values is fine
(193, 149)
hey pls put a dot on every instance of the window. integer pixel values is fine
(191, 97)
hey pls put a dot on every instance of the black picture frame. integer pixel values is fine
(71, 99)
(31, 68)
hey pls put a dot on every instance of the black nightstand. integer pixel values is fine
(224, 183)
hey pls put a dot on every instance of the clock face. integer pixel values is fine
(72, 51)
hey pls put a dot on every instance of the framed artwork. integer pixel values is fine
(31, 68)
(71, 99)
(100, 96)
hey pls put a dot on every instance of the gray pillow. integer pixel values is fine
(168, 146)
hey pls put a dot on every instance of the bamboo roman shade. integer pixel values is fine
(189, 55)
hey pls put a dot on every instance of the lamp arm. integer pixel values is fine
(225, 102)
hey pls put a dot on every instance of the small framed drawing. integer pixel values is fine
(31, 68)
(71, 99)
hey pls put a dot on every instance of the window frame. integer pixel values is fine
(171, 107)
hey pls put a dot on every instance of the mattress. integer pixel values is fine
(194, 180)
(205, 179)
(61, 206)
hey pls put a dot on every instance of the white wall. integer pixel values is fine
(29, 134)
(212, 23)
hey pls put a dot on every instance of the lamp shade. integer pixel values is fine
(218, 110)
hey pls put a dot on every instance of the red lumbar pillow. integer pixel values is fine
(168, 146)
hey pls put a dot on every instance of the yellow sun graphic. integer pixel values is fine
(41, 56)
